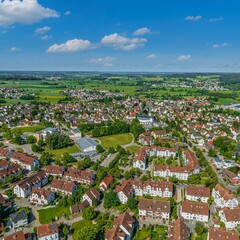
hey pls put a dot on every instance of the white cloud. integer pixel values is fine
(142, 31)
(14, 49)
(193, 18)
(120, 42)
(152, 56)
(67, 13)
(45, 37)
(216, 19)
(106, 61)
(73, 45)
(220, 45)
(42, 30)
(23, 11)
(184, 57)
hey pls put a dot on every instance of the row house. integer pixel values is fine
(4, 164)
(123, 228)
(221, 234)
(56, 171)
(178, 230)
(157, 188)
(146, 139)
(154, 209)
(41, 196)
(105, 184)
(198, 193)
(223, 198)
(24, 187)
(5, 203)
(11, 171)
(80, 176)
(65, 188)
(24, 160)
(159, 134)
(230, 217)
(4, 153)
(48, 232)
(195, 211)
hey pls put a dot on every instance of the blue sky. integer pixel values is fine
(111, 35)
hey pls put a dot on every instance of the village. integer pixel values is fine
(124, 168)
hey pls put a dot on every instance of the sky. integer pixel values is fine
(126, 35)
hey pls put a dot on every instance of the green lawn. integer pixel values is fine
(78, 225)
(158, 232)
(114, 140)
(47, 215)
(59, 152)
(133, 149)
(30, 129)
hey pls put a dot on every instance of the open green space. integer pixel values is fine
(114, 140)
(156, 232)
(48, 215)
(133, 149)
(78, 226)
(59, 152)
(30, 129)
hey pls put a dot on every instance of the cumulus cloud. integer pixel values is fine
(193, 18)
(24, 12)
(45, 37)
(42, 30)
(184, 57)
(14, 49)
(73, 45)
(152, 56)
(142, 31)
(67, 13)
(216, 19)
(106, 61)
(220, 45)
(120, 42)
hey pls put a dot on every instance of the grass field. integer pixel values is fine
(79, 225)
(114, 140)
(59, 152)
(30, 129)
(47, 215)
(133, 149)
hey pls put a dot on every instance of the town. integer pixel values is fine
(104, 164)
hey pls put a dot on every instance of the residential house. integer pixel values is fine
(56, 171)
(24, 160)
(154, 209)
(91, 196)
(195, 211)
(198, 193)
(125, 191)
(223, 198)
(66, 188)
(230, 217)
(48, 232)
(123, 228)
(4, 153)
(221, 234)
(105, 184)
(18, 220)
(40, 196)
(19, 235)
(178, 230)
(23, 188)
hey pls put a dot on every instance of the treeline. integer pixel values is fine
(231, 81)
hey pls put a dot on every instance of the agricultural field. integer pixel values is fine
(114, 140)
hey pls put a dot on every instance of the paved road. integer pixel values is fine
(108, 159)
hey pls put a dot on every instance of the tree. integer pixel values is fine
(57, 141)
(85, 163)
(110, 200)
(45, 158)
(199, 228)
(18, 139)
(212, 152)
(67, 158)
(132, 203)
(36, 148)
(87, 233)
(65, 231)
(238, 191)
(89, 213)
(31, 139)
(99, 148)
